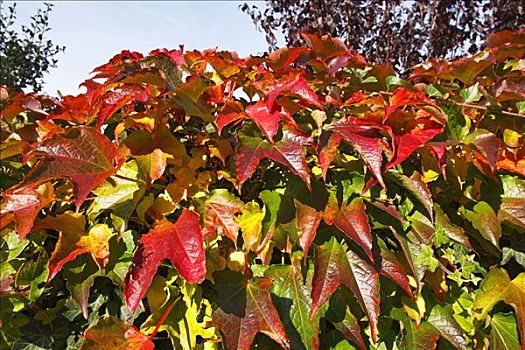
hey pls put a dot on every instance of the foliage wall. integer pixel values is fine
(304, 200)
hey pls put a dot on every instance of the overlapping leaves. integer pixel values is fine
(302, 200)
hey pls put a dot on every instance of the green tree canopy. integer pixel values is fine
(26, 54)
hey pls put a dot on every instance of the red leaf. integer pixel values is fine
(419, 132)
(281, 59)
(328, 145)
(268, 122)
(181, 243)
(353, 221)
(402, 97)
(116, 64)
(334, 51)
(335, 267)
(229, 113)
(74, 108)
(288, 152)
(291, 84)
(84, 156)
(325, 46)
(307, 222)
(109, 104)
(260, 315)
(25, 203)
(363, 137)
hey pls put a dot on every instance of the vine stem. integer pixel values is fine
(512, 114)
(246, 268)
(128, 178)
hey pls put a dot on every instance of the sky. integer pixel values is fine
(93, 32)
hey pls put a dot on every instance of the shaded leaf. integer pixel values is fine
(288, 284)
(288, 152)
(416, 187)
(416, 338)
(335, 267)
(259, 316)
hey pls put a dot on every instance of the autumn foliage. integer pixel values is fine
(305, 199)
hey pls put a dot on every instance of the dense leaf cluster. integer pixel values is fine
(307, 199)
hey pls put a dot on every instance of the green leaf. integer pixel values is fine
(497, 287)
(11, 246)
(33, 273)
(115, 193)
(445, 227)
(504, 334)
(426, 257)
(471, 94)
(194, 325)
(484, 219)
(458, 124)
(392, 80)
(288, 284)
(272, 203)
(433, 91)
(512, 207)
(520, 105)
(415, 338)
(509, 253)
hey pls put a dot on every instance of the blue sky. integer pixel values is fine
(95, 31)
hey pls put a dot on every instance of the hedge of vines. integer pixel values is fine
(304, 199)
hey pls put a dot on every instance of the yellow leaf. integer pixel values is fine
(250, 223)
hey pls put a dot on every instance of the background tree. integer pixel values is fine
(400, 32)
(26, 55)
